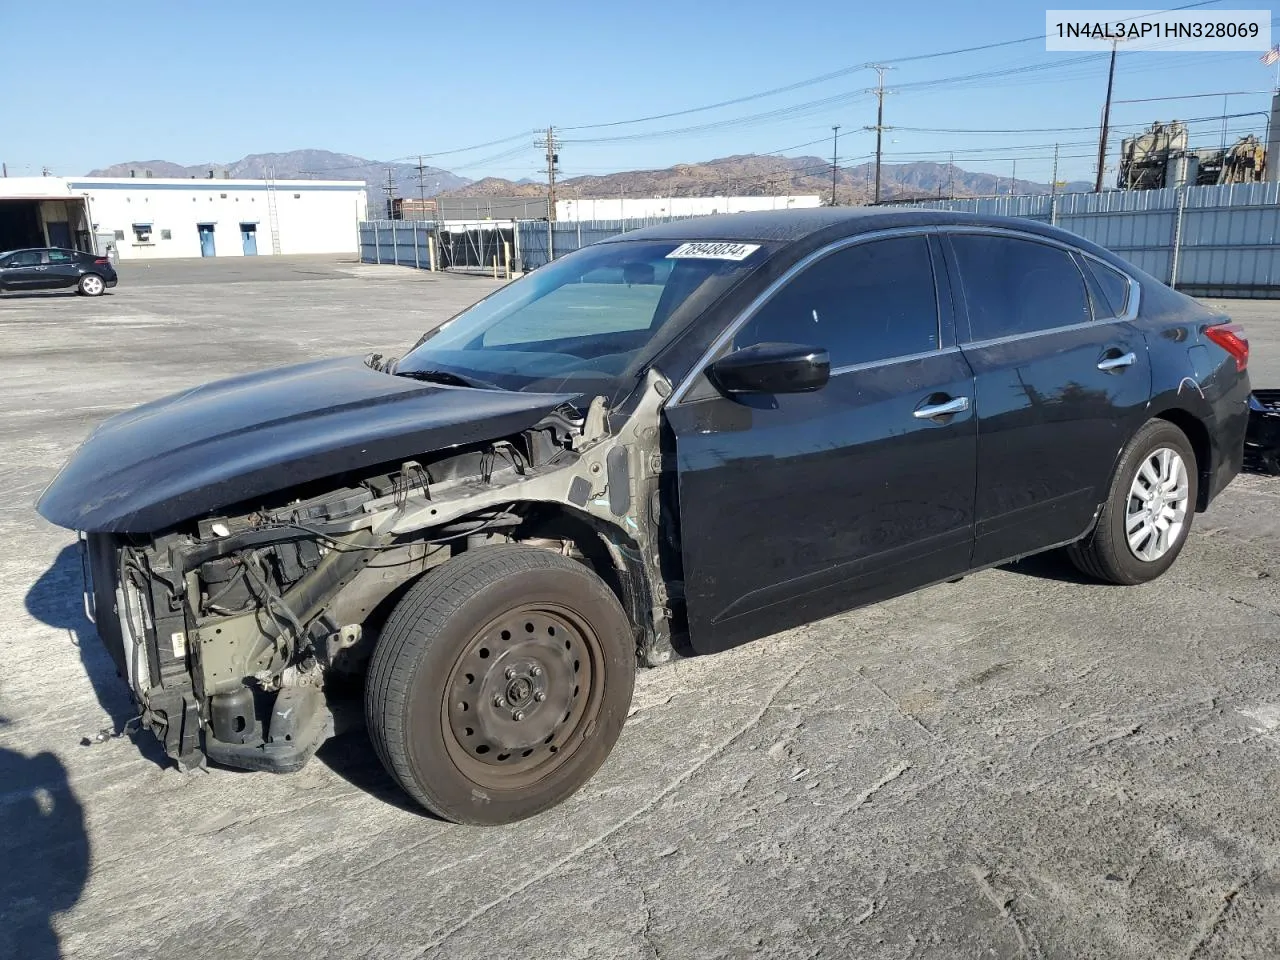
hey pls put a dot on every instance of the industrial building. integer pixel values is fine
(463, 210)
(658, 208)
(152, 218)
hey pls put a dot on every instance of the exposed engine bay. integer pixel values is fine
(229, 627)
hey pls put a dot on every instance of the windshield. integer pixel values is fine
(583, 324)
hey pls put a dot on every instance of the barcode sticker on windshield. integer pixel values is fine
(713, 251)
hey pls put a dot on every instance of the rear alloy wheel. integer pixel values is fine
(91, 285)
(500, 683)
(1146, 519)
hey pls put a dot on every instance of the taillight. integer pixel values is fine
(1230, 337)
(102, 260)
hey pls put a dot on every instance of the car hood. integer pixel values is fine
(231, 441)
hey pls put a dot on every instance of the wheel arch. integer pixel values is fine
(1197, 434)
(610, 552)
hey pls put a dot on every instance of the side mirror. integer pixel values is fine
(772, 368)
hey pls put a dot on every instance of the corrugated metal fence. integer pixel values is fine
(565, 237)
(404, 242)
(412, 244)
(1206, 241)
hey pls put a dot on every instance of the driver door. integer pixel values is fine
(796, 506)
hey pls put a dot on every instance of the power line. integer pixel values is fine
(832, 75)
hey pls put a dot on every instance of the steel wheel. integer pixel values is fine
(91, 285)
(521, 696)
(1158, 502)
(500, 683)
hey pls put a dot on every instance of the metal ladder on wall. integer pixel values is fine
(273, 216)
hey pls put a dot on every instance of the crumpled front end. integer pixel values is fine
(228, 626)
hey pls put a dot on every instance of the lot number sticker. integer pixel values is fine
(713, 251)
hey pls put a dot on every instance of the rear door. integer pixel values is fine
(63, 268)
(797, 506)
(1059, 391)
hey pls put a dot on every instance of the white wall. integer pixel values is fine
(26, 188)
(631, 208)
(314, 216)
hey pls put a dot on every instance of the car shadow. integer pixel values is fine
(46, 294)
(45, 849)
(350, 755)
(57, 599)
(1051, 565)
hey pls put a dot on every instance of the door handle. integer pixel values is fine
(958, 405)
(1118, 363)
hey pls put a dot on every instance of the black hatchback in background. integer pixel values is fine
(50, 268)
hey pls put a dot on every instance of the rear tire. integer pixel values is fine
(91, 285)
(500, 684)
(1147, 517)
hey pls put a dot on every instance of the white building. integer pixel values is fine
(149, 218)
(655, 208)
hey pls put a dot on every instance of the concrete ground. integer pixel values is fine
(1021, 764)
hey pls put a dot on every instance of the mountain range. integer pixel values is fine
(741, 175)
(304, 165)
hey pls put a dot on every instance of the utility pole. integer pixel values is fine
(879, 128)
(835, 141)
(951, 176)
(1053, 184)
(390, 190)
(1106, 121)
(1013, 180)
(422, 192)
(553, 164)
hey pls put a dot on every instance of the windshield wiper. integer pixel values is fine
(445, 376)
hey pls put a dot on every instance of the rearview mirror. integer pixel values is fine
(772, 368)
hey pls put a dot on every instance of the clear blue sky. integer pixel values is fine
(94, 84)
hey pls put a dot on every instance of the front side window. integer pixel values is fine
(24, 258)
(1015, 286)
(583, 323)
(868, 302)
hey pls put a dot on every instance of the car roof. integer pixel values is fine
(789, 226)
(814, 226)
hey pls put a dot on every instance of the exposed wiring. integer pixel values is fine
(269, 596)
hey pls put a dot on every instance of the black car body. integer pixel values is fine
(51, 268)
(769, 418)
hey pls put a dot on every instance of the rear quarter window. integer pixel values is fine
(1113, 287)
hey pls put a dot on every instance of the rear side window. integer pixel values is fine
(1017, 286)
(869, 302)
(60, 256)
(1114, 287)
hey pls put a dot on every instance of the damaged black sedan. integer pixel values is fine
(673, 442)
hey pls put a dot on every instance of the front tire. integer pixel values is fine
(500, 684)
(1147, 517)
(91, 285)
